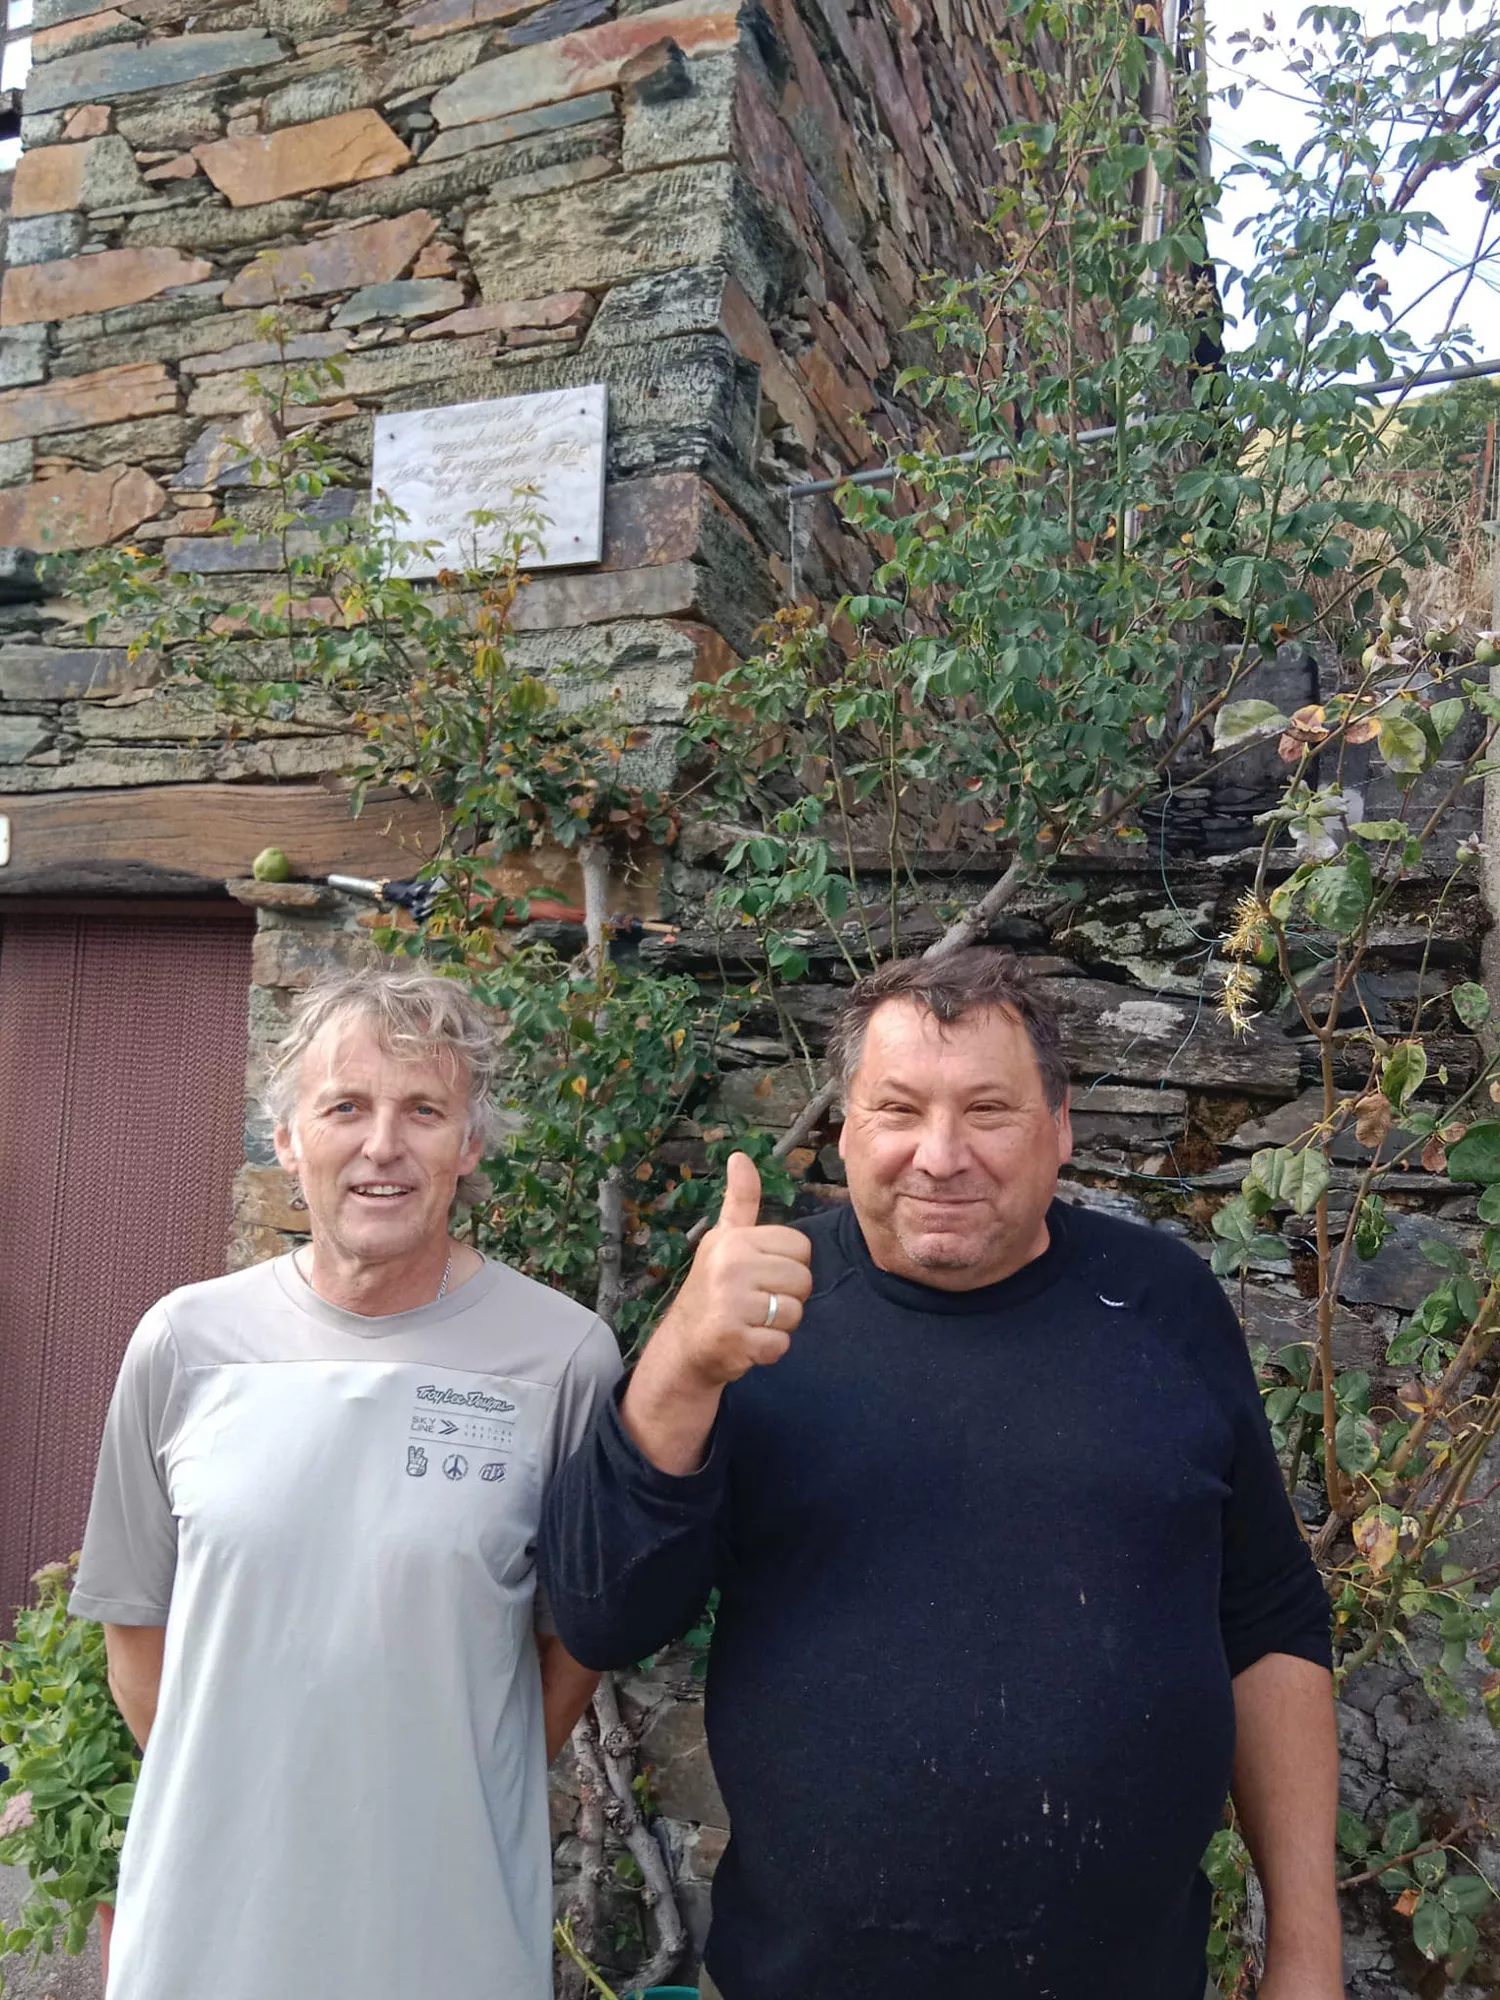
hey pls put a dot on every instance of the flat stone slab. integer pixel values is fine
(281, 895)
(21, 736)
(99, 75)
(522, 125)
(48, 179)
(60, 673)
(372, 253)
(596, 236)
(1122, 1035)
(330, 152)
(509, 316)
(222, 555)
(577, 64)
(1400, 1275)
(69, 286)
(403, 298)
(79, 510)
(75, 402)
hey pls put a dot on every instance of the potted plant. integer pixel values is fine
(72, 1766)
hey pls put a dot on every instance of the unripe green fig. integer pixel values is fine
(271, 865)
(1486, 650)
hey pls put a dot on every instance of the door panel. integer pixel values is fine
(122, 1081)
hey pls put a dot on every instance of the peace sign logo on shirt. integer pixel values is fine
(455, 1465)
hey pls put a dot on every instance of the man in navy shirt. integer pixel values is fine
(1011, 1593)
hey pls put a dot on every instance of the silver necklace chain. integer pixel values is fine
(441, 1290)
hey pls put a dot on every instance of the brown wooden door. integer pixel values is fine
(122, 1083)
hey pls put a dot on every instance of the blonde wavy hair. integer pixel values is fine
(413, 1015)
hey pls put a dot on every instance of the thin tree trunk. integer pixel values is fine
(611, 1257)
(593, 859)
(593, 1793)
(657, 1893)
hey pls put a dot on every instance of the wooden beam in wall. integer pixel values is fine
(172, 839)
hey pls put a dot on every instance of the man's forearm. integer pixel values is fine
(135, 1655)
(567, 1689)
(669, 1414)
(1286, 1775)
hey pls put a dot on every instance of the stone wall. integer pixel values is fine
(722, 212)
(719, 210)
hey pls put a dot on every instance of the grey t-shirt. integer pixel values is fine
(344, 1794)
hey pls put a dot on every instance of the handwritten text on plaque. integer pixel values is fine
(519, 455)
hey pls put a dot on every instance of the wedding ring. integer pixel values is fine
(772, 1302)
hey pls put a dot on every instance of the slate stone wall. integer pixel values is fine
(717, 209)
(721, 210)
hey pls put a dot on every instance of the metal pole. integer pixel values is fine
(1489, 831)
(877, 475)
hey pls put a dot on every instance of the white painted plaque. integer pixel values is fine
(541, 454)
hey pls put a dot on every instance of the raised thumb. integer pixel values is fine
(741, 1208)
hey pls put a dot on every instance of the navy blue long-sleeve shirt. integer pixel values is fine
(988, 1563)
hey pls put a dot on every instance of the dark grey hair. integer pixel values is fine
(413, 1014)
(963, 982)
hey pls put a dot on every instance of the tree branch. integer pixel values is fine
(975, 922)
(1415, 176)
(593, 859)
(658, 1894)
(610, 1259)
(583, 1911)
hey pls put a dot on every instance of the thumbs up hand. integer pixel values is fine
(743, 1298)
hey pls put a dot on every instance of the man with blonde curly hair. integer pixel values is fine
(312, 1547)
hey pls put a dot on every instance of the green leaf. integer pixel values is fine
(119, 1799)
(1297, 1359)
(1403, 746)
(1372, 1225)
(1431, 1928)
(1352, 1390)
(1339, 893)
(1467, 1895)
(1445, 1255)
(1463, 1945)
(1445, 716)
(1471, 1004)
(1380, 829)
(1488, 1207)
(1403, 1072)
(1354, 1835)
(1476, 1156)
(1356, 1443)
(1238, 721)
(1287, 1178)
(1403, 1832)
(1241, 1243)
(1430, 1869)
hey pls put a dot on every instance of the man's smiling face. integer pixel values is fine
(379, 1143)
(950, 1146)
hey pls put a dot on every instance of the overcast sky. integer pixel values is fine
(1273, 108)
